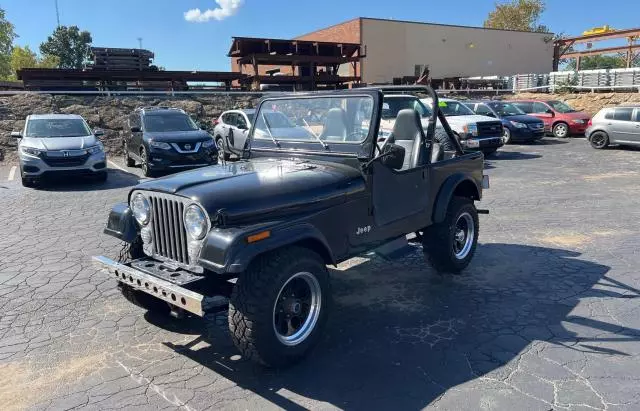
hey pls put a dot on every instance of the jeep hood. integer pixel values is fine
(59, 143)
(256, 190)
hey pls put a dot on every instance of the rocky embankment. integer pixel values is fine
(108, 113)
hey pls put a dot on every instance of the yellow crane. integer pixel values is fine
(598, 30)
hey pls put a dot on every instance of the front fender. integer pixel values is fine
(121, 223)
(461, 182)
(227, 251)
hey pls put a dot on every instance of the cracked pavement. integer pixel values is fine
(546, 317)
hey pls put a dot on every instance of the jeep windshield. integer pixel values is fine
(168, 122)
(331, 119)
(55, 128)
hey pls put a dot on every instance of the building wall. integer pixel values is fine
(394, 48)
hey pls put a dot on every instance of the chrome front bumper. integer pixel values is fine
(173, 294)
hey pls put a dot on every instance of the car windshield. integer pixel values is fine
(49, 128)
(392, 106)
(506, 109)
(323, 119)
(451, 108)
(169, 122)
(561, 107)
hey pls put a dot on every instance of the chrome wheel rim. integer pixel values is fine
(598, 140)
(463, 236)
(297, 308)
(561, 130)
(506, 136)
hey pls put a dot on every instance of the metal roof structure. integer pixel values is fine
(563, 47)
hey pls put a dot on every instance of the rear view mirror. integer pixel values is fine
(392, 156)
(16, 134)
(98, 132)
(135, 129)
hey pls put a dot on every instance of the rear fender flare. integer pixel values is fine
(457, 184)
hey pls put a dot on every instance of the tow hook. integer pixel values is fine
(479, 211)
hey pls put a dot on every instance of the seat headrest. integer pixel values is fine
(407, 125)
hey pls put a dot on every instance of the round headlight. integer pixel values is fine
(141, 209)
(195, 222)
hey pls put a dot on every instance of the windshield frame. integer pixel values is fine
(354, 149)
(80, 120)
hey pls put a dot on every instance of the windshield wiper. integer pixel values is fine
(324, 145)
(266, 123)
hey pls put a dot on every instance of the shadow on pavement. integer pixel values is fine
(550, 141)
(400, 335)
(512, 155)
(116, 179)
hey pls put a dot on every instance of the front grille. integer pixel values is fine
(70, 161)
(169, 235)
(489, 128)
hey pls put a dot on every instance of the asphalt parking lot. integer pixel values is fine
(546, 317)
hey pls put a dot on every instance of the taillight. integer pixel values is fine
(216, 122)
(589, 123)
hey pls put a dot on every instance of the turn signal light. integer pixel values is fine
(254, 238)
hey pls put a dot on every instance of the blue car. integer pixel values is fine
(518, 127)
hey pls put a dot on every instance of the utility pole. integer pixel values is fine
(140, 43)
(57, 13)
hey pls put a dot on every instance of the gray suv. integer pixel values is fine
(615, 125)
(59, 145)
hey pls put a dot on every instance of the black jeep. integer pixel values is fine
(255, 236)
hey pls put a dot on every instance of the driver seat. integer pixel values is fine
(335, 126)
(408, 133)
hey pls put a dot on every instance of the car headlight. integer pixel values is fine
(470, 129)
(31, 151)
(159, 144)
(140, 208)
(518, 125)
(195, 222)
(579, 121)
(208, 143)
(95, 149)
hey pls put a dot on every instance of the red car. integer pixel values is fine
(558, 117)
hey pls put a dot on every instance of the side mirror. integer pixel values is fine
(135, 129)
(98, 132)
(491, 115)
(392, 156)
(551, 113)
(242, 127)
(16, 134)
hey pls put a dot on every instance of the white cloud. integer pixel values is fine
(226, 8)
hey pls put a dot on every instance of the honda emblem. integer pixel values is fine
(65, 153)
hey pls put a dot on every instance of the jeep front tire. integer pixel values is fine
(451, 244)
(279, 306)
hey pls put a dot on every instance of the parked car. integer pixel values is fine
(230, 131)
(475, 132)
(518, 127)
(166, 139)
(59, 145)
(615, 125)
(558, 117)
(254, 237)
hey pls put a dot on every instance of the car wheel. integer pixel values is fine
(128, 160)
(506, 137)
(451, 244)
(144, 158)
(442, 137)
(144, 300)
(599, 140)
(561, 130)
(222, 153)
(279, 306)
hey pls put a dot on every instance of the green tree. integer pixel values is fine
(7, 35)
(598, 62)
(70, 45)
(517, 15)
(23, 57)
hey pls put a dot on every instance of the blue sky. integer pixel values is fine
(186, 45)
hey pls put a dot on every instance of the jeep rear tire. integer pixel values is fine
(279, 306)
(451, 244)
